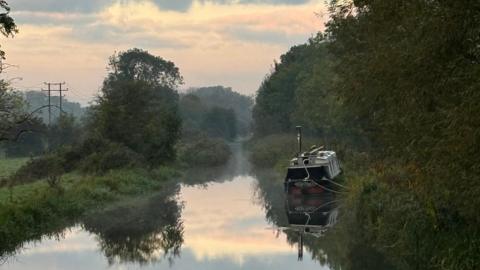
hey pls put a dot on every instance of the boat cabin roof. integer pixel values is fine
(319, 154)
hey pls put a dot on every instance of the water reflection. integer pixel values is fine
(310, 215)
(237, 165)
(232, 217)
(307, 221)
(142, 232)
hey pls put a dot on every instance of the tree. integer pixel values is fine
(409, 74)
(216, 111)
(226, 98)
(31, 143)
(138, 65)
(220, 122)
(138, 105)
(7, 24)
(14, 120)
(299, 92)
(63, 132)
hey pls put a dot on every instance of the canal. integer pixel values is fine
(233, 217)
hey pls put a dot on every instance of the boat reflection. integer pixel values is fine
(310, 215)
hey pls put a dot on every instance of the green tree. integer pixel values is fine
(31, 143)
(138, 106)
(220, 122)
(65, 131)
(7, 24)
(299, 92)
(15, 121)
(409, 75)
(226, 98)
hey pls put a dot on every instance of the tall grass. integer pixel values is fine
(9, 166)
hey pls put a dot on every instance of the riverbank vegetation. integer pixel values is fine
(128, 143)
(397, 86)
(32, 210)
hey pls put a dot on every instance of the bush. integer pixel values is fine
(94, 155)
(114, 156)
(38, 168)
(204, 152)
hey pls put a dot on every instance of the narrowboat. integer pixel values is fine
(311, 171)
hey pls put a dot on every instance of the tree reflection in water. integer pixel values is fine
(142, 232)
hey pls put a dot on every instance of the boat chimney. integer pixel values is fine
(299, 139)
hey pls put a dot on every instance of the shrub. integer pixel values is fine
(114, 156)
(94, 155)
(204, 152)
(38, 168)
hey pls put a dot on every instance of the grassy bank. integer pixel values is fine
(42, 196)
(8, 166)
(29, 211)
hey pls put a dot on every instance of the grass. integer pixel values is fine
(29, 211)
(10, 165)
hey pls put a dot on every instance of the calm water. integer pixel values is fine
(225, 218)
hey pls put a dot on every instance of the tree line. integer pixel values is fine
(398, 82)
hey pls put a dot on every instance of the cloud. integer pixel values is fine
(58, 6)
(177, 5)
(264, 36)
(87, 6)
(222, 42)
(285, 2)
(105, 34)
(40, 18)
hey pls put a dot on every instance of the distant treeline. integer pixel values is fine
(398, 83)
(37, 99)
(138, 119)
(64, 125)
(216, 111)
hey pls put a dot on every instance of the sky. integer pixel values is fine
(213, 42)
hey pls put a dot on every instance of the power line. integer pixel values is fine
(50, 90)
(49, 103)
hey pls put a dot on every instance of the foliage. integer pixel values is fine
(138, 65)
(277, 150)
(30, 143)
(9, 166)
(401, 80)
(203, 151)
(94, 155)
(36, 209)
(408, 75)
(7, 24)
(216, 112)
(38, 168)
(298, 92)
(64, 131)
(220, 123)
(138, 105)
(114, 156)
(225, 98)
(14, 121)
